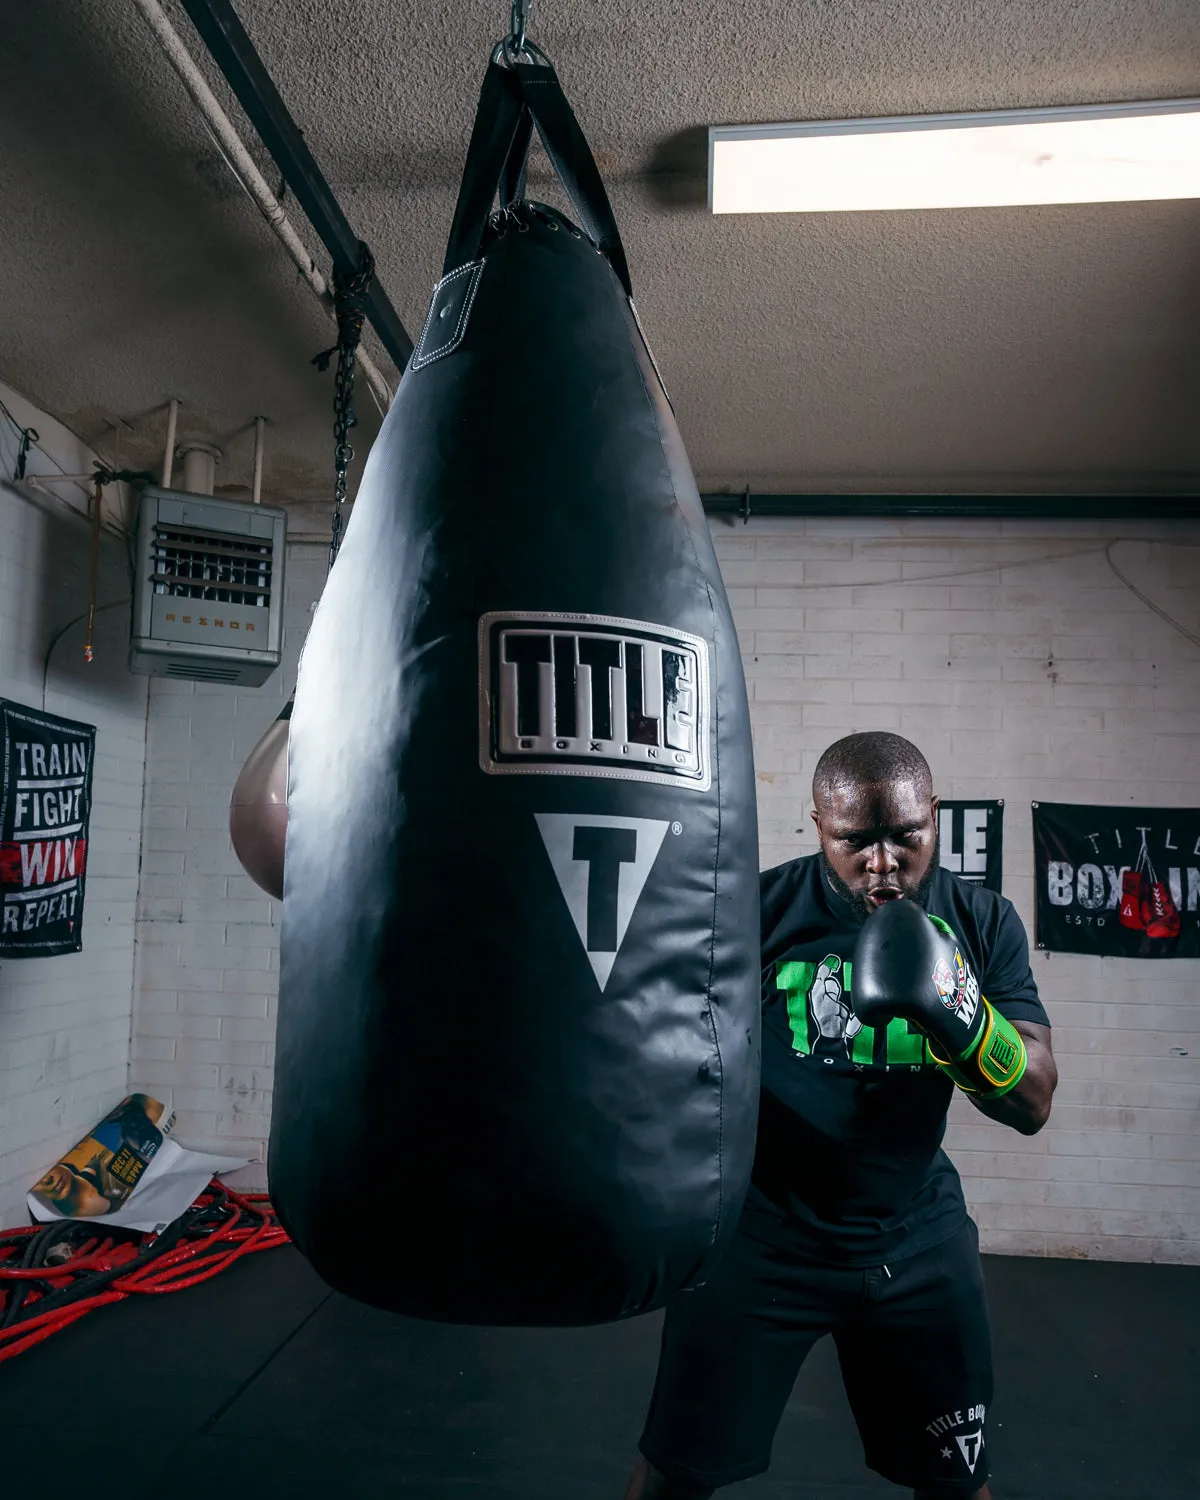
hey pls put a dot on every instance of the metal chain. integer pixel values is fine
(349, 305)
(344, 418)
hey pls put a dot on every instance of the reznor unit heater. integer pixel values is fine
(208, 596)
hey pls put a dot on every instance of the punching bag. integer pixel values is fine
(517, 1063)
(258, 808)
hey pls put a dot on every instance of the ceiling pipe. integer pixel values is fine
(234, 53)
(243, 167)
(746, 506)
(199, 463)
(168, 467)
(256, 491)
(62, 478)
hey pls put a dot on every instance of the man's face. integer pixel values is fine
(879, 843)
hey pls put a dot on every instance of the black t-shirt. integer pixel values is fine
(849, 1167)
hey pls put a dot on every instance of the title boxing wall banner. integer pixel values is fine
(1122, 881)
(45, 804)
(971, 839)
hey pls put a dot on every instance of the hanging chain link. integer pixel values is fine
(349, 305)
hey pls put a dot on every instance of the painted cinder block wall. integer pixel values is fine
(208, 938)
(1022, 666)
(1009, 651)
(65, 1022)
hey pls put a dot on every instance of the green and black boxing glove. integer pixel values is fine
(909, 964)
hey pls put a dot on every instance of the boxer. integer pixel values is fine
(887, 983)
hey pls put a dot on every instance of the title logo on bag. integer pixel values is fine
(601, 864)
(592, 695)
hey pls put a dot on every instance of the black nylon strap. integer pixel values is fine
(571, 156)
(492, 137)
(512, 187)
(512, 100)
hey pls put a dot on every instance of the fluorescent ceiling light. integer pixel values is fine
(1107, 153)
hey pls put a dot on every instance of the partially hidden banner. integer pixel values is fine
(971, 839)
(1120, 881)
(45, 805)
(127, 1171)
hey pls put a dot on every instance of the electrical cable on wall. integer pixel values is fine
(27, 437)
(1027, 562)
(30, 438)
(93, 566)
(99, 610)
(1183, 630)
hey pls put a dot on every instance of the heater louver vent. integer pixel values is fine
(193, 564)
(198, 673)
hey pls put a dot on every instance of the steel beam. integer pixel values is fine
(234, 53)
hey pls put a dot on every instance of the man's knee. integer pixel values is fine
(648, 1484)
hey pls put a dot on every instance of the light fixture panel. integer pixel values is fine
(1076, 154)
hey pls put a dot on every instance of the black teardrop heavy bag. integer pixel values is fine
(517, 1070)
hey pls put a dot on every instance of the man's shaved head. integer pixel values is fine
(871, 759)
(876, 818)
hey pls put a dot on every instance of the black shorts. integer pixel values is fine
(913, 1343)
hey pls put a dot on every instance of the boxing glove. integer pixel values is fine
(909, 964)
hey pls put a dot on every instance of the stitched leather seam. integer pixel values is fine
(472, 268)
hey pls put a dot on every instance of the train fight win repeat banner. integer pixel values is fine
(45, 804)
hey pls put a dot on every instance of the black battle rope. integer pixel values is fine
(349, 306)
(55, 1273)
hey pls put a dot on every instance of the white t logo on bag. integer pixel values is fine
(601, 864)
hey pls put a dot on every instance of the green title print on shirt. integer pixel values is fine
(818, 1002)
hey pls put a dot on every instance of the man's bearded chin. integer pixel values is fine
(857, 900)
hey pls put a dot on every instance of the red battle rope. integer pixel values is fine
(53, 1274)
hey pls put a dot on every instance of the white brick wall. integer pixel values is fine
(65, 1022)
(1024, 669)
(1008, 651)
(208, 941)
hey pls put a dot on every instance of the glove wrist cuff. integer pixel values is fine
(995, 1061)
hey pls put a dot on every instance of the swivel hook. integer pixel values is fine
(518, 20)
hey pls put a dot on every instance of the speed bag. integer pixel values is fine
(518, 1030)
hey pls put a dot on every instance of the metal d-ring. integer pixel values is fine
(504, 51)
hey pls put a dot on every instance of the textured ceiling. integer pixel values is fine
(1000, 348)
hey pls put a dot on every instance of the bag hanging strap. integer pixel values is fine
(513, 99)
(492, 139)
(512, 184)
(571, 156)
